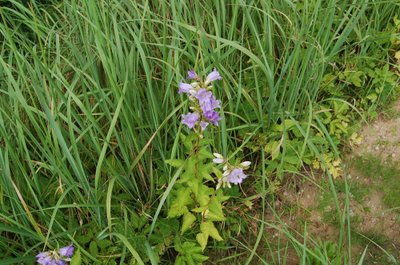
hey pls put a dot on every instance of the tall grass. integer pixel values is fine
(89, 109)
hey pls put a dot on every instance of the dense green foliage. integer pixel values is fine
(89, 115)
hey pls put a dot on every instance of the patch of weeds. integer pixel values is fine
(388, 174)
(380, 249)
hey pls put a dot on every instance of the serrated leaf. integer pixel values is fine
(179, 261)
(203, 193)
(199, 209)
(175, 162)
(205, 171)
(355, 78)
(76, 259)
(199, 258)
(202, 240)
(203, 154)
(178, 206)
(188, 220)
(189, 260)
(208, 228)
(215, 212)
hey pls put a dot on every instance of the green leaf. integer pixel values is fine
(93, 248)
(208, 228)
(355, 78)
(180, 261)
(202, 239)
(203, 193)
(294, 160)
(273, 148)
(199, 258)
(178, 206)
(205, 171)
(203, 154)
(199, 209)
(372, 97)
(288, 123)
(215, 212)
(175, 162)
(188, 220)
(76, 259)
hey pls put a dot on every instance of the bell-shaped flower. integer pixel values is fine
(214, 75)
(192, 75)
(190, 119)
(184, 88)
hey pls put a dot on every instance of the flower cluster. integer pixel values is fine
(203, 102)
(232, 174)
(60, 257)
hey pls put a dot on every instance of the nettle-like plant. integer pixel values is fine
(198, 195)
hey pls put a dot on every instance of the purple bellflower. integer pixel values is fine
(214, 75)
(203, 102)
(67, 251)
(192, 75)
(236, 176)
(60, 257)
(184, 88)
(190, 119)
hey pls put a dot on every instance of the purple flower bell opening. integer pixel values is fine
(203, 125)
(214, 75)
(192, 75)
(184, 88)
(202, 101)
(236, 176)
(190, 119)
(67, 251)
(60, 257)
(44, 258)
(212, 116)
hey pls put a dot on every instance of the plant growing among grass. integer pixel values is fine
(197, 200)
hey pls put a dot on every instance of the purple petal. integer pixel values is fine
(203, 125)
(236, 176)
(214, 75)
(184, 88)
(192, 74)
(212, 116)
(67, 251)
(45, 261)
(190, 119)
(203, 95)
(42, 255)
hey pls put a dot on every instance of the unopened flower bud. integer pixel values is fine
(245, 163)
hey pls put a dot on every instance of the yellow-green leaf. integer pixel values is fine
(202, 240)
(188, 220)
(175, 162)
(208, 228)
(76, 259)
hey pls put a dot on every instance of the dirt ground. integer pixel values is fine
(371, 219)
